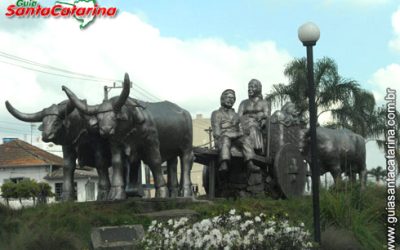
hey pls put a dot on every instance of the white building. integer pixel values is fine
(85, 179)
(20, 160)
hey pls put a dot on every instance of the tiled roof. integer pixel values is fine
(18, 153)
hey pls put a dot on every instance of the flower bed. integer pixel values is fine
(227, 231)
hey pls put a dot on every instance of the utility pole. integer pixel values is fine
(107, 89)
(32, 126)
(106, 93)
(209, 130)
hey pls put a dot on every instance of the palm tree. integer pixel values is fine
(350, 106)
(331, 88)
(379, 127)
(357, 113)
(378, 173)
(368, 121)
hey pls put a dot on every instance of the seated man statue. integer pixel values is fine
(227, 132)
(254, 114)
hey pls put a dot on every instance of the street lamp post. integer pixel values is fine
(309, 35)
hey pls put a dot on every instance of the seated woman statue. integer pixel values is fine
(254, 113)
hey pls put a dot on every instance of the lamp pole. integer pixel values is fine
(309, 34)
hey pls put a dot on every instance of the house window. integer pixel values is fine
(16, 179)
(58, 190)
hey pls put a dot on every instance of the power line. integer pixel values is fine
(78, 76)
(15, 133)
(23, 60)
(15, 123)
(50, 73)
(145, 91)
(13, 129)
(72, 74)
(149, 95)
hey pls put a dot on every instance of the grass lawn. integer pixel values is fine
(68, 225)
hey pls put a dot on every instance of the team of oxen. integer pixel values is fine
(122, 132)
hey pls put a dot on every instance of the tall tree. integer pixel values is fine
(357, 113)
(349, 105)
(331, 88)
(379, 173)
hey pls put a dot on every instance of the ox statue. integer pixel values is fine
(63, 125)
(339, 151)
(148, 132)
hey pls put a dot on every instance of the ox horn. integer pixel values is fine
(34, 117)
(124, 94)
(80, 105)
(66, 108)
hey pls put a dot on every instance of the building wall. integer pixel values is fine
(81, 187)
(38, 173)
(82, 196)
(200, 138)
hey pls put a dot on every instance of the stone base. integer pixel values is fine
(239, 182)
(117, 238)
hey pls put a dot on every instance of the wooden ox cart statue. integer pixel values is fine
(283, 169)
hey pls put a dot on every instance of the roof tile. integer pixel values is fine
(18, 153)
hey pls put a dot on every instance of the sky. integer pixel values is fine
(189, 51)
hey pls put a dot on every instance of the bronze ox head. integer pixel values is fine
(52, 118)
(106, 113)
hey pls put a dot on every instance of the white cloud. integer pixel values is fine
(369, 2)
(360, 3)
(388, 77)
(191, 73)
(395, 42)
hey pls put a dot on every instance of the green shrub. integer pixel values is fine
(334, 239)
(8, 191)
(26, 189)
(361, 213)
(356, 210)
(44, 191)
(45, 238)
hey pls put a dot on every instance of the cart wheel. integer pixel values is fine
(290, 171)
